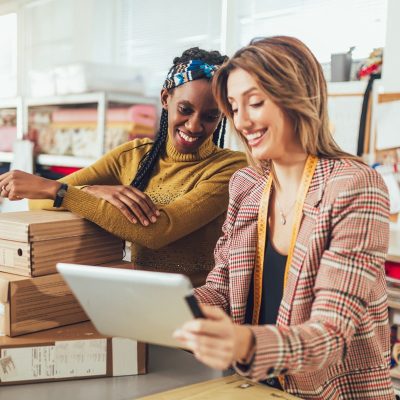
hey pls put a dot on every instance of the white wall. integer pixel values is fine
(391, 55)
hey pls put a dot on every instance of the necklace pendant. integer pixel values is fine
(283, 219)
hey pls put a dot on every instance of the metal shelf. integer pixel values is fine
(17, 103)
(6, 156)
(101, 99)
(64, 161)
(9, 102)
(87, 98)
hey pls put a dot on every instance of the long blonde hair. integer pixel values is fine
(288, 72)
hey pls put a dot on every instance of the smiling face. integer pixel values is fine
(267, 129)
(193, 114)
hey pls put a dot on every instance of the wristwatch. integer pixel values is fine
(61, 192)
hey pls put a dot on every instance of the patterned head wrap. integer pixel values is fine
(190, 71)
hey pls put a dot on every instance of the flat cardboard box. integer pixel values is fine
(232, 387)
(72, 352)
(34, 304)
(32, 242)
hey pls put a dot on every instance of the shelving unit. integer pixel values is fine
(102, 101)
(17, 104)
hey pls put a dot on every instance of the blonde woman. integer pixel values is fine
(299, 268)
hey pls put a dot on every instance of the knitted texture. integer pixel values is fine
(191, 191)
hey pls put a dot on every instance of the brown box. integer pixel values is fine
(72, 352)
(34, 304)
(32, 242)
(232, 387)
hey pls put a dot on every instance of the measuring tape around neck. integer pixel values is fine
(262, 223)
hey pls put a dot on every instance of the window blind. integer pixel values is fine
(326, 26)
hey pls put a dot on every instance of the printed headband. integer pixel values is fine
(190, 71)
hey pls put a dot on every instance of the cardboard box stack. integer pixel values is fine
(70, 352)
(35, 302)
(32, 242)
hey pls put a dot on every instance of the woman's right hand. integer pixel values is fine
(134, 204)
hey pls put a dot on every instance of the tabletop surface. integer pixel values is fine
(168, 369)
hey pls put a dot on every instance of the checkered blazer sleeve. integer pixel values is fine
(347, 271)
(216, 290)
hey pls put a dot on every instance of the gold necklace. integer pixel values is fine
(283, 215)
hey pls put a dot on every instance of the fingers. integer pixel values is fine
(130, 207)
(3, 191)
(213, 312)
(133, 204)
(5, 185)
(148, 202)
(141, 205)
(196, 341)
(117, 202)
(215, 352)
(7, 191)
(214, 359)
(140, 208)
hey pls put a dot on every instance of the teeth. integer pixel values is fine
(255, 135)
(186, 137)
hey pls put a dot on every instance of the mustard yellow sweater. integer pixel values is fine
(190, 190)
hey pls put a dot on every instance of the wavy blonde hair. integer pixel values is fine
(287, 71)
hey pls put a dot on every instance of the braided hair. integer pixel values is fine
(149, 160)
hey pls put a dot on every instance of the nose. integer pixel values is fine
(194, 123)
(241, 120)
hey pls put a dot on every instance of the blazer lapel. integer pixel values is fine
(309, 218)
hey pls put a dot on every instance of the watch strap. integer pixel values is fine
(60, 195)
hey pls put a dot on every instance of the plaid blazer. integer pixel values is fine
(332, 337)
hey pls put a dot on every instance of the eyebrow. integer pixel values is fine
(245, 93)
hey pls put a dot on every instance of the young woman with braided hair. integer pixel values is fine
(167, 197)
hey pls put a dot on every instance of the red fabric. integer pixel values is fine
(63, 170)
(392, 269)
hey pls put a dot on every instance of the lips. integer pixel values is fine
(255, 138)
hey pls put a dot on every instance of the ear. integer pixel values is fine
(165, 96)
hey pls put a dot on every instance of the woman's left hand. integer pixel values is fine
(216, 340)
(16, 185)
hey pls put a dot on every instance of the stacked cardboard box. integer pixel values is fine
(71, 352)
(32, 242)
(34, 298)
(30, 305)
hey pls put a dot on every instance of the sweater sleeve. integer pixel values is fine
(105, 171)
(349, 269)
(186, 214)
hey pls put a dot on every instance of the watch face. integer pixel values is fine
(62, 192)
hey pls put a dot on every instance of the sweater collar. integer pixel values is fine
(204, 151)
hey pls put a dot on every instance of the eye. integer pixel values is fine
(234, 110)
(184, 110)
(257, 104)
(212, 117)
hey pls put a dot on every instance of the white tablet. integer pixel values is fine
(142, 305)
